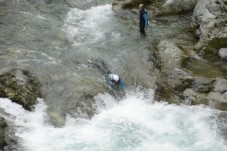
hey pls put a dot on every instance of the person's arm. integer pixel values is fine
(123, 86)
(145, 19)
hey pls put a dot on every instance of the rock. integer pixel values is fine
(170, 56)
(209, 17)
(173, 79)
(2, 133)
(220, 85)
(225, 95)
(217, 97)
(213, 99)
(195, 98)
(223, 53)
(218, 101)
(127, 4)
(176, 7)
(120, 4)
(21, 87)
(202, 85)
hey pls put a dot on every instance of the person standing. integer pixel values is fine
(143, 19)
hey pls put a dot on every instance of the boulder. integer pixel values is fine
(173, 79)
(195, 98)
(213, 99)
(220, 85)
(223, 53)
(209, 19)
(202, 85)
(176, 7)
(21, 87)
(127, 4)
(170, 56)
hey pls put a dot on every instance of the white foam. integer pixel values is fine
(133, 124)
(89, 26)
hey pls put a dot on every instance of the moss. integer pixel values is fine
(198, 101)
(217, 43)
(222, 106)
(24, 94)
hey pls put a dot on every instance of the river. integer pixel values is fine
(54, 42)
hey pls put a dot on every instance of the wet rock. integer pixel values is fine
(220, 85)
(209, 17)
(173, 79)
(21, 87)
(202, 85)
(214, 99)
(223, 53)
(176, 7)
(56, 119)
(170, 55)
(195, 98)
(126, 4)
(217, 97)
(2, 133)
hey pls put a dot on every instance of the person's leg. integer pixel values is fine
(142, 31)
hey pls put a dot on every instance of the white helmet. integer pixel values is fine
(115, 77)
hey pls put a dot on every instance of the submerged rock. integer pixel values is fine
(176, 7)
(21, 87)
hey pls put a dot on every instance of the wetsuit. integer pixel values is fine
(143, 21)
(113, 86)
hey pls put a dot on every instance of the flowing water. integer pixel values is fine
(134, 124)
(54, 42)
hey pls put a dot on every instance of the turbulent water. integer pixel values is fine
(134, 124)
(54, 42)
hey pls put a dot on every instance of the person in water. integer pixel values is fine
(143, 19)
(116, 85)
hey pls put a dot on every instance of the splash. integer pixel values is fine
(133, 124)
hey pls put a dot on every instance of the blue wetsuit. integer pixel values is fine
(114, 86)
(143, 21)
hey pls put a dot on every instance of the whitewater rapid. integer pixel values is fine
(133, 124)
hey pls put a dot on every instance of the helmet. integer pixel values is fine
(115, 77)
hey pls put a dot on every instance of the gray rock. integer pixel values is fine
(225, 95)
(21, 87)
(209, 17)
(195, 98)
(125, 4)
(223, 53)
(220, 85)
(213, 99)
(217, 97)
(177, 6)
(120, 4)
(202, 85)
(170, 56)
(173, 79)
